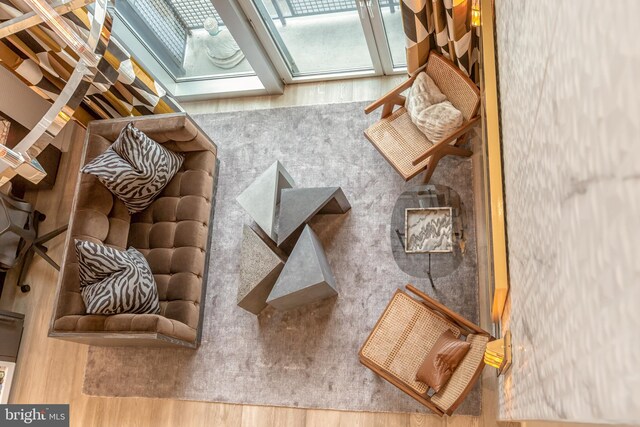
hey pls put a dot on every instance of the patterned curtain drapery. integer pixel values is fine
(443, 25)
(42, 60)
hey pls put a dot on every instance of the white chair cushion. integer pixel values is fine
(429, 109)
(439, 120)
(423, 93)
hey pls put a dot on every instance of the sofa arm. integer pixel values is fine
(176, 131)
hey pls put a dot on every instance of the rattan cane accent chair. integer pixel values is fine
(404, 335)
(401, 143)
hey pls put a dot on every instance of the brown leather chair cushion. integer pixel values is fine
(442, 360)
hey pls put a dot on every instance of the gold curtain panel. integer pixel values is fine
(443, 25)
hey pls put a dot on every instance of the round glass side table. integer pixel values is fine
(428, 231)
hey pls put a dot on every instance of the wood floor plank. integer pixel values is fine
(258, 416)
(290, 417)
(322, 418)
(364, 89)
(462, 421)
(424, 420)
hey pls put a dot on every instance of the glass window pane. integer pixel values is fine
(212, 51)
(317, 36)
(392, 19)
(187, 36)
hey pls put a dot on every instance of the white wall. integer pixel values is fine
(569, 76)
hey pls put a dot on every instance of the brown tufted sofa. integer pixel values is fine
(173, 234)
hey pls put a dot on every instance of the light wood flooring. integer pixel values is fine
(52, 371)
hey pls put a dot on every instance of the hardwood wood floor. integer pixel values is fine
(52, 371)
(365, 89)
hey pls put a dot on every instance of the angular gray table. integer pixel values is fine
(306, 276)
(259, 269)
(261, 198)
(299, 205)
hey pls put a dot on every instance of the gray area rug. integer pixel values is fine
(308, 357)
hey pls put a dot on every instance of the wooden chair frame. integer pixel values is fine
(466, 327)
(440, 148)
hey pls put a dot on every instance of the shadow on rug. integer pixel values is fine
(307, 357)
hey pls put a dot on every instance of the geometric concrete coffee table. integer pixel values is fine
(306, 276)
(259, 269)
(261, 198)
(299, 205)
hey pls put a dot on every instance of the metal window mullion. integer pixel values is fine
(380, 36)
(249, 41)
(364, 12)
(266, 41)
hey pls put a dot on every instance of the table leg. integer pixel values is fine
(429, 273)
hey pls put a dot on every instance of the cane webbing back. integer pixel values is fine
(458, 88)
(404, 335)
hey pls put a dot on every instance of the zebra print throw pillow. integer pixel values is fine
(135, 168)
(113, 281)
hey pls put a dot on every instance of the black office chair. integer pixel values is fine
(19, 238)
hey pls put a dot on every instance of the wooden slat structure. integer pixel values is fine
(31, 19)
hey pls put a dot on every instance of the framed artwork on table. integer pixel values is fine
(428, 230)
